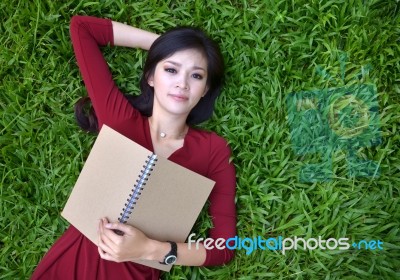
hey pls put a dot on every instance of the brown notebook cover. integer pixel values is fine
(165, 208)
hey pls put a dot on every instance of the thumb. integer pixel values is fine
(118, 228)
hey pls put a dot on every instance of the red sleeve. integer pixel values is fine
(222, 200)
(88, 34)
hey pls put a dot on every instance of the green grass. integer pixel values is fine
(271, 49)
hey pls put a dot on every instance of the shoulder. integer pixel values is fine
(211, 139)
(213, 149)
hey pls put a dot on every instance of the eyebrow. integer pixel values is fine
(178, 65)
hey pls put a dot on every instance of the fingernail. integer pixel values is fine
(108, 225)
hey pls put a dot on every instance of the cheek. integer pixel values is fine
(201, 87)
(161, 82)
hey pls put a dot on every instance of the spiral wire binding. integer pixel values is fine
(138, 187)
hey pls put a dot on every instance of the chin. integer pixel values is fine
(178, 111)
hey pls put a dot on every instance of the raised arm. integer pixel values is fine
(132, 37)
(88, 34)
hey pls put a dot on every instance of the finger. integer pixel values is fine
(101, 252)
(107, 238)
(106, 252)
(105, 242)
(111, 235)
(104, 255)
(105, 248)
(119, 228)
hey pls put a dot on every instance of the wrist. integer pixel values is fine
(157, 250)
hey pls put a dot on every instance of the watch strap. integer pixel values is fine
(171, 256)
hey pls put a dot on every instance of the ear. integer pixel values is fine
(150, 81)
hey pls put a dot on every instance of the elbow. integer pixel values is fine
(76, 20)
(80, 22)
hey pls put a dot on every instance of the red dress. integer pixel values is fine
(73, 256)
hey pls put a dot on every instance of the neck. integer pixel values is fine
(171, 128)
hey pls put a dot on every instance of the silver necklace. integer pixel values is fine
(164, 135)
(180, 135)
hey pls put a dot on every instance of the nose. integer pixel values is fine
(182, 82)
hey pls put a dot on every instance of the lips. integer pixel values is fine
(179, 97)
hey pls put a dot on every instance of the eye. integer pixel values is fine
(170, 70)
(197, 76)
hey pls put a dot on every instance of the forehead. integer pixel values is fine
(188, 58)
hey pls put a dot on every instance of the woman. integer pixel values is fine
(181, 79)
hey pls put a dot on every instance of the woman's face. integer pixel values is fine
(179, 82)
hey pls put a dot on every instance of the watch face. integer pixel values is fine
(170, 259)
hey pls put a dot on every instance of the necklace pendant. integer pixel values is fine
(162, 135)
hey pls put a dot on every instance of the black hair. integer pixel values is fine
(172, 41)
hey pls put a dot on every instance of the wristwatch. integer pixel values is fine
(170, 258)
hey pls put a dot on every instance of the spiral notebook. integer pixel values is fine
(125, 182)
